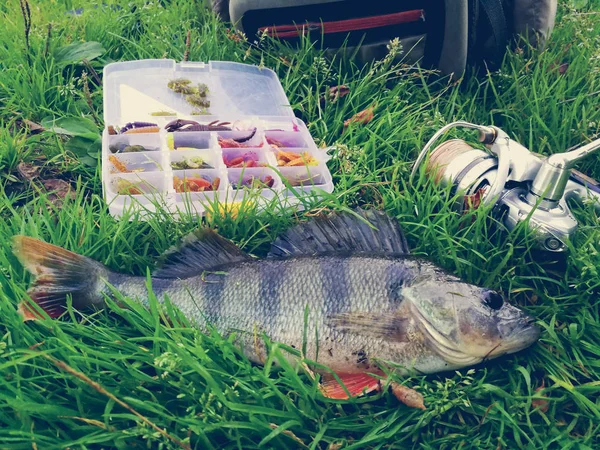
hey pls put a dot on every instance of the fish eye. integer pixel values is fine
(493, 300)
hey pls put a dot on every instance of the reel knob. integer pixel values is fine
(487, 135)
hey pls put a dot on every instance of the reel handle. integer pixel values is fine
(583, 188)
(551, 181)
(569, 159)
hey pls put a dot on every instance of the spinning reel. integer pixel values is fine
(519, 183)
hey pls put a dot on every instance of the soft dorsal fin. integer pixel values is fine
(343, 233)
(200, 251)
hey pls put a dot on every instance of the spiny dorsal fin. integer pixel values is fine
(343, 233)
(200, 251)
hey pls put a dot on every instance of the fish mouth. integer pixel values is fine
(516, 336)
(522, 337)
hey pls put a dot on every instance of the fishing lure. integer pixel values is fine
(190, 163)
(195, 184)
(290, 159)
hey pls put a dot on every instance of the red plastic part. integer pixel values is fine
(340, 26)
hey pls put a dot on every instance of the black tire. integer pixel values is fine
(221, 9)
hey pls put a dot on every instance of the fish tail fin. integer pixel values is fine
(57, 273)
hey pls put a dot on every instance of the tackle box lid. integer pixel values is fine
(240, 132)
(134, 90)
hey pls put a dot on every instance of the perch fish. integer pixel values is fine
(348, 275)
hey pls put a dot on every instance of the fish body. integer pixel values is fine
(272, 296)
(351, 297)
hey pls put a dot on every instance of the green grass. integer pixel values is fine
(199, 389)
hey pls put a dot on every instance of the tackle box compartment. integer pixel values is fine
(237, 139)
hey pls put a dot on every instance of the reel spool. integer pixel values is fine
(466, 169)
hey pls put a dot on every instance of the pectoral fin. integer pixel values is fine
(356, 384)
(377, 325)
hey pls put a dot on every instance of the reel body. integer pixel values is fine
(522, 185)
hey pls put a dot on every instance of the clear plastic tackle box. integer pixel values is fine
(189, 136)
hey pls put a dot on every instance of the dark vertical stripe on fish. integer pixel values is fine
(214, 289)
(335, 284)
(160, 286)
(397, 276)
(272, 278)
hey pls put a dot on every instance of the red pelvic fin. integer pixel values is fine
(356, 384)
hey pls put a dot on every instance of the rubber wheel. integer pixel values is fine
(221, 9)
